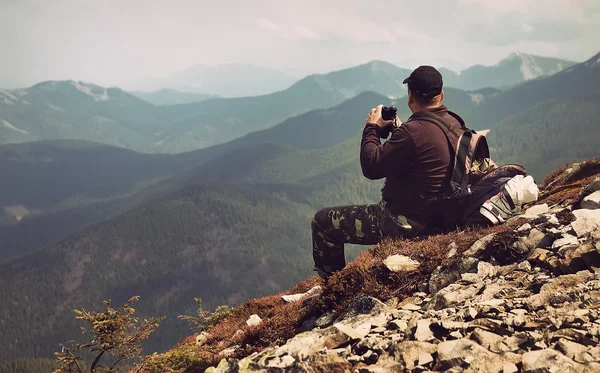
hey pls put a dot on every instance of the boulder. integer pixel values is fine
(253, 320)
(400, 263)
(471, 356)
(591, 202)
(549, 360)
(409, 352)
(586, 221)
(535, 211)
(479, 246)
(442, 277)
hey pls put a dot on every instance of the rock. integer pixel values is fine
(479, 246)
(453, 294)
(535, 239)
(574, 351)
(228, 351)
(452, 250)
(425, 359)
(400, 263)
(253, 320)
(363, 305)
(549, 360)
(350, 332)
(592, 201)
(320, 363)
(485, 270)
(524, 266)
(565, 240)
(296, 297)
(201, 338)
(524, 227)
(510, 368)
(535, 211)
(400, 325)
(577, 258)
(423, 332)
(326, 319)
(586, 221)
(409, 352)
(461, 352)
(442, 277)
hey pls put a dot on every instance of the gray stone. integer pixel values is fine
(296, 297)
(549, 360)
(485, 270)
(201, 338)
(586, 221)
(442, 277)
(479, 246)
(510, 368)
(453, 294)
(253, 320)
(535, 239)
(363, 305)
(350, 332)
(524, 227)
(423, 332)
(408, 352)
(326, 319)
(400, 325)
(565, 240)
(460, 352)
(452, 250)
(591, 202)
(535, 211)
(400, 263)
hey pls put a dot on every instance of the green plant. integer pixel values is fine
(205, 319)
(115, 335)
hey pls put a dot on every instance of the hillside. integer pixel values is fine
(168, 96)
(453, 312)
(169, 243)
(515, 69)
(100, 181)
(571, 83)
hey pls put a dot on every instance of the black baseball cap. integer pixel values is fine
(425, 81)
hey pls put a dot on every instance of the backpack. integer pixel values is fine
(472, 182)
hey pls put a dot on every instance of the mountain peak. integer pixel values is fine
(593, 62)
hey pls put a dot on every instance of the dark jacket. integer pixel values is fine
(415, 161)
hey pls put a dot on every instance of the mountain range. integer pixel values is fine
(167, 96)
(515, 69)
(227, 80)
(86, 222)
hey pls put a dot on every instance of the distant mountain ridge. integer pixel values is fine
(167, 96)
(227, 80)
(514, 69)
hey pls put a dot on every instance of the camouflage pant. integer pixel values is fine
(332, 227)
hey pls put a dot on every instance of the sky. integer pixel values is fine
(121, 42)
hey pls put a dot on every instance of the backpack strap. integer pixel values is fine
(467, 146)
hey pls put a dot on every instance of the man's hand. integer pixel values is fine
(374, 116)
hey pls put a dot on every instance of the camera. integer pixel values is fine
(387, 113)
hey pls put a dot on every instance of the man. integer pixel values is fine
(415, 162)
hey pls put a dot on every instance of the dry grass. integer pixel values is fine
(368, 275)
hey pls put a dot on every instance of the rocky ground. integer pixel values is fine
(523, 301)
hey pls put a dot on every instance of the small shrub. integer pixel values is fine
(115, 335)
(205, 319)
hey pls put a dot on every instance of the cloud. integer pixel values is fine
(267, 24)
(306, 33)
